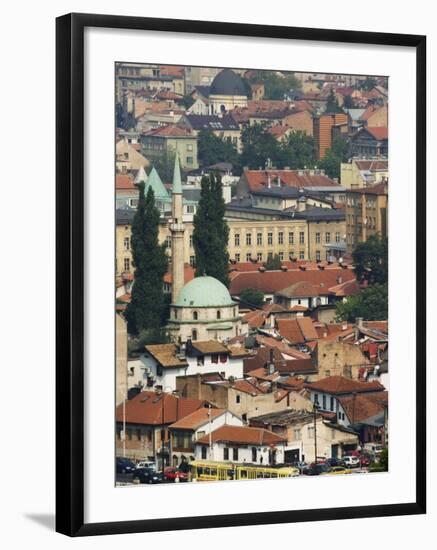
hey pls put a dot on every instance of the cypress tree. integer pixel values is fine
(147, 304)
(211, 232)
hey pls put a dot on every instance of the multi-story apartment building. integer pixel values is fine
(366, 213)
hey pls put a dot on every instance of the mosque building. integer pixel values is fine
(227, 92)
(203, 308)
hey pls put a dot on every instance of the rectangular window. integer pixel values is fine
(311, 432)
(235, 453)
(203, 453)
(168, 242)
(327, 237)
(281, 256)
(317, 237)
(248, 239)
(269, 238)
(324, 402)
(189, 147)
(317, 254)
(302, 255)
(280, 237)
(193, 260)
(237, 257)
(126, 264)
(189, 160)
(291, 238)
(126, 243)
(297, 434)
(337, 236)
(302, 237)
(225, 453)
(237, 239)
(248, 257)
(259, 256)
(191, 241)
(237, 399)
(259, 238)
(332, 403)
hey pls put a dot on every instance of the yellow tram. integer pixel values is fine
(201, 470)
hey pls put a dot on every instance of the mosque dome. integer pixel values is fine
(228, 83)
(204, 292)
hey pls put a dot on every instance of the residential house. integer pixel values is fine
(127, 157)
(370, 142)
(363, 173)
(142, 424)
(184, 433)
(222, 126)
(171, 140)
(241, 445)
(307, 433)
(324, 130)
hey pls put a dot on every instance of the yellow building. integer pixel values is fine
(362, 173)
(366, 213)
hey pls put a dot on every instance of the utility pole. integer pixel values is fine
(210, 434)
(315, 432)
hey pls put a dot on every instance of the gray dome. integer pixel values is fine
(228, 83)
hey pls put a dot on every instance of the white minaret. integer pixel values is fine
(177, 234)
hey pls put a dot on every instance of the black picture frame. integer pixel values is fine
(70, 273)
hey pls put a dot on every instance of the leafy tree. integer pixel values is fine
(252, 297)
(259, 145)
(370, 304)
(164, 165)
(187, 101)
(273, 264)
(276, 86)
(368, 84)
(297, 151)
(338, 153)
(213, 149)
(211, 232)
(332, 105)
(148, 336)
(371, 260)
(145, 310)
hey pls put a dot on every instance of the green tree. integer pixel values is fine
(276, 85)
(252, 297)
(273, 264)
(368, 84)
(370, 304)
(348, 102)
(164, 165)
(213, 149)
(148, 336)
(297, 151)
(259, 145)
(187, 101)
(211, 232)
(371, 260)
(332, 105)
(145, 309)
(338, 153)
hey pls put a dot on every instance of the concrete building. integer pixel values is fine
(171, 140)
(227, 91)
(363, 173)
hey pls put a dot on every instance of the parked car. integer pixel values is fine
(316, 469)
(172, 473)
(336, 470)
(146, 475)
(146, 464)
(332, 462)
(124, 465)
(374, 448)
(365, 460)
(351, 461)
(300, 466)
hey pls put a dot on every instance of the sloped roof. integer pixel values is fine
(155, 182)
(364, 406)
(299, 290)
(124, 181)
(197, 418)
(378, 132)
(292, 178)
(166, 355)
(151, 408)
(169, 131)
(338, 385)
(243, 435)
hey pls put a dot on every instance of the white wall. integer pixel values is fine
(28, 39)
(244, 453)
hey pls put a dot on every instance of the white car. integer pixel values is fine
(146, 464)
(351, 461)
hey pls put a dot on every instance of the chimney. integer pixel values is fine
(269, 183)
(359, 322)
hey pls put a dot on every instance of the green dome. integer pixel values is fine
(204, 292)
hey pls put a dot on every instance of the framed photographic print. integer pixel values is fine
(240, 221)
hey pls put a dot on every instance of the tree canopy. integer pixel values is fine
(145, 310)
(370, 304)
(164, 165)
(211, 232)
(332, 105)
(213, 149)
(276, 85)
(252, 297)
(273, 264)
(371, 260)
(338, 153)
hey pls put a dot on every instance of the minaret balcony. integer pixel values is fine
(177, 227)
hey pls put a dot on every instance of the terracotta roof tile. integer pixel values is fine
(166, 355)
(209, 346)
(338, 385)
(243, 435)
(307, 328)
(378, 132)
(197, 418)
(257, 179)
(364, 406)
(124, 181)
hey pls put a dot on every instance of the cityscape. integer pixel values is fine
(251, 274)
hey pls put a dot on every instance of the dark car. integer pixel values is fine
(173, 473)
(146, 475)
(316, 469)
(300, 466)
(331, 462)
(124, 465)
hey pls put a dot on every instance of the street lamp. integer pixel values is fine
(163, 391)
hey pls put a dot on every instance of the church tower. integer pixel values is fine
(177, 234)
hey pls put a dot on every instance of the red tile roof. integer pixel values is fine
(169, 131)
(307, 328)
(242, 435)
(166, 355)
(147, 408)
(378, 132)
(338, 385)
(364, 406)
(348, 288)
(301, 289)
(189, 273)
(197, 418)
(257, 179)
(255, 319)
(124, 181)
(272, 281)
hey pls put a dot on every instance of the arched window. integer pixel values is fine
(195, 315)
(194, 334)
(219, 314)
